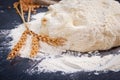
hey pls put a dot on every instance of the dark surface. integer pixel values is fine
(16, 69)
(8, 16)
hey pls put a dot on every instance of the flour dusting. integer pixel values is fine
(53, 60)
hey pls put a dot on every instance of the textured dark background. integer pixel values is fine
(15, 70)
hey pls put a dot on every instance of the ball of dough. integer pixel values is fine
(88, 25)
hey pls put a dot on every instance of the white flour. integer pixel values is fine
(53, 60)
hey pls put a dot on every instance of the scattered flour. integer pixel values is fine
(53, 60)
(119, 51)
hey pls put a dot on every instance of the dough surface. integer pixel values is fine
(88, 25)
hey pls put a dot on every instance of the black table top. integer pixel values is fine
(15, 70)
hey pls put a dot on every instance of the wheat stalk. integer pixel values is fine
(35, 37)
(35, 46)
(18, 46)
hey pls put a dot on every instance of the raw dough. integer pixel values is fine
(88, 25)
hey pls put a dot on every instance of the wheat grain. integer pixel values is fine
(35, 46)
(18, 46)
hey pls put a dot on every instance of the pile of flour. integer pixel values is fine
(53, 60)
